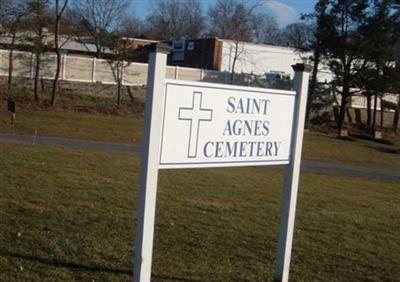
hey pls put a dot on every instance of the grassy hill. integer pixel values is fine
(70, 215)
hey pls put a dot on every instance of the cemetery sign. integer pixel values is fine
(193, 124)
(206, 125)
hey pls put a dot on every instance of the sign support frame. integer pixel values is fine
(292, 175)
(149, 163)
(150, 167)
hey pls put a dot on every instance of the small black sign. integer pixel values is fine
(11, 106)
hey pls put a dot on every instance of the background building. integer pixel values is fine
(242, 57)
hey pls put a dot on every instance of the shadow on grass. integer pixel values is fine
(371, 138)
(393, 151)
(58, 263)
(82, 267)
(383, 149)
(346, 138)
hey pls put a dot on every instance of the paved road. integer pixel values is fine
(123, 148)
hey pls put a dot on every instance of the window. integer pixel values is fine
(190, 46)
(179, 45)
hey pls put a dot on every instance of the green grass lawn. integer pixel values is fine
(70, 215)
(317, 146)
(324, 147)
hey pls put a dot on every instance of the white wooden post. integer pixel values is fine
(176, 72)
(291, 174)
(149, 163)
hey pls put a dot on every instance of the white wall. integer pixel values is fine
(260, 59)
(361, 101)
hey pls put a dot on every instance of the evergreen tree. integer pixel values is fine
(396, 86)
(320, 30)
(379, 41)
(343, 47)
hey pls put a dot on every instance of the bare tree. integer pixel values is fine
(174, 19)
(98, 19)
(119, 42)
(36, 23)
(118, 62)
(131, 26)
(59, 10)
(268, 31)
(235, 20)
(299, 36)
(12, 13)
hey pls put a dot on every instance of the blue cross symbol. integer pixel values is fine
(194, 115)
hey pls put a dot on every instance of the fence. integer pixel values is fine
(86, 69)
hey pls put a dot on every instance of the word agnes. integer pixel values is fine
(258, 128)
(248, 106)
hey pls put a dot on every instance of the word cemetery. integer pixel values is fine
(194, 125)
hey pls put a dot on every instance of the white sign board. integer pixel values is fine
(209, 125)
(191, 124)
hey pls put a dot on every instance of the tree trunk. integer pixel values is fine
(382, 112)
(119, 82)
(10, 67)
(343, 106)
(58, 14)
(57, 74)
(234, 62)
(42, 84)
(369, 114)
(374, 114)
(349, 117)
(313, 85)
(130, 94)
(396, 116)
(37, 75)
(118, 93)
(55, 81)
(342, 111)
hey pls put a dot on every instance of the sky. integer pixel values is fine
(285, 11)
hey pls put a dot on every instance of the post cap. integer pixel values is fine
(160, 48)
(302, 68)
